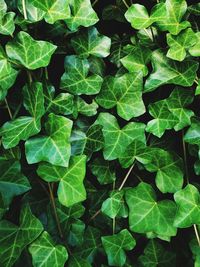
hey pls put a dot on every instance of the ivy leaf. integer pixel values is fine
(24, 127)
(14, 238)
(146, 214)
(156, 255)
(179, 44)
(116, 139)
(34, 14)
(78, 262)
(54, 9)
(137, 59)
(91, 42)
(103, 170)
(28, 52)
(82, 14)
(188, 212)
(53, 148)
(76, 80)
(167, 71)
(116, 245)
(192, 136)
(7, 25)
(84, 108)
(195, 50)
(117, 52)
(123, 92)
(7, 74)
(12, 181)
(169, 176)
(71, 189)
(44, 252)
(164, 119)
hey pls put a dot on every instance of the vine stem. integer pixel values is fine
(24, 9)
(54, 210)
(124, 1)
(126, 177)
(187, 178)
(8, 108)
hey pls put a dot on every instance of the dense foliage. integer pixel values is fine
(100, 133)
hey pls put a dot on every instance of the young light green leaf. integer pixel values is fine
(91, 42)
(82, 14)
(7, 25)
(192, 136)
(125, 92)
(53, 148)
(146, 214)
(14, 239)
(137, 59)
(180, 44)
(76, 80)
(195, 50)
(82, 107)
(167, 71)
(116, 245)
(54, 9)
(24, 127)
(188, 202)
(71, 189)
(34, 14)
(45, 253)
(28, 52)
(115, 139)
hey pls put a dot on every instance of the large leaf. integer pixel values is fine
(71, 189)
(24, 127)
(82, 14)
(45, 253)
(125, 92)
(15, 238)
(54, 9)
(146, 214)
(53, 148)
(116, 245)
(116, 139)
(76, 80)
(188, 202)
(91, 43)
(167, 71)
(28, 52)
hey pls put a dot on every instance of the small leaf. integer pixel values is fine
(7, 25)
(91, 42)
(71, 189)
(76, 80)
(195, 50)
(192, 136)
(30, 53)
(116, 245)
(45, 253)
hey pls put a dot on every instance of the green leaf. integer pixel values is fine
(45, 253)
(103, 170)
(192, 136)
(137, 59)
(146, 214)
(54, 9)
(12, 181)
(115, 139)
(82, 107)
(24, 127)
(91, 42)
(195, 50)
(82, 14)
(169, 176)
(156, 255)
(188, 202)
(53, 148)
(76, 80)
(116, 245)
(122, 92)
(166, 71)
(180, 44)
(14, 238)
(71, 189)
(8, 74)
(7, 25)
(28, 52)
(163, 119)
(34, 14)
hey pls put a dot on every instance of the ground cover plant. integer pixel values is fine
(99, 133)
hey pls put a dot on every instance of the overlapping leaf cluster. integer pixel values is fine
(100, 133)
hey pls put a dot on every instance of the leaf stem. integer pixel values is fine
(17, 110)
(8, 108)
(197, 234)
(124, 1)
(30, 80)
(196, 81)
(95, 215)
(54, 210)
(126, 177)
(94, 3)
(24, 9)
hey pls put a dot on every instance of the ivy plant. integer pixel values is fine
(99, 133)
